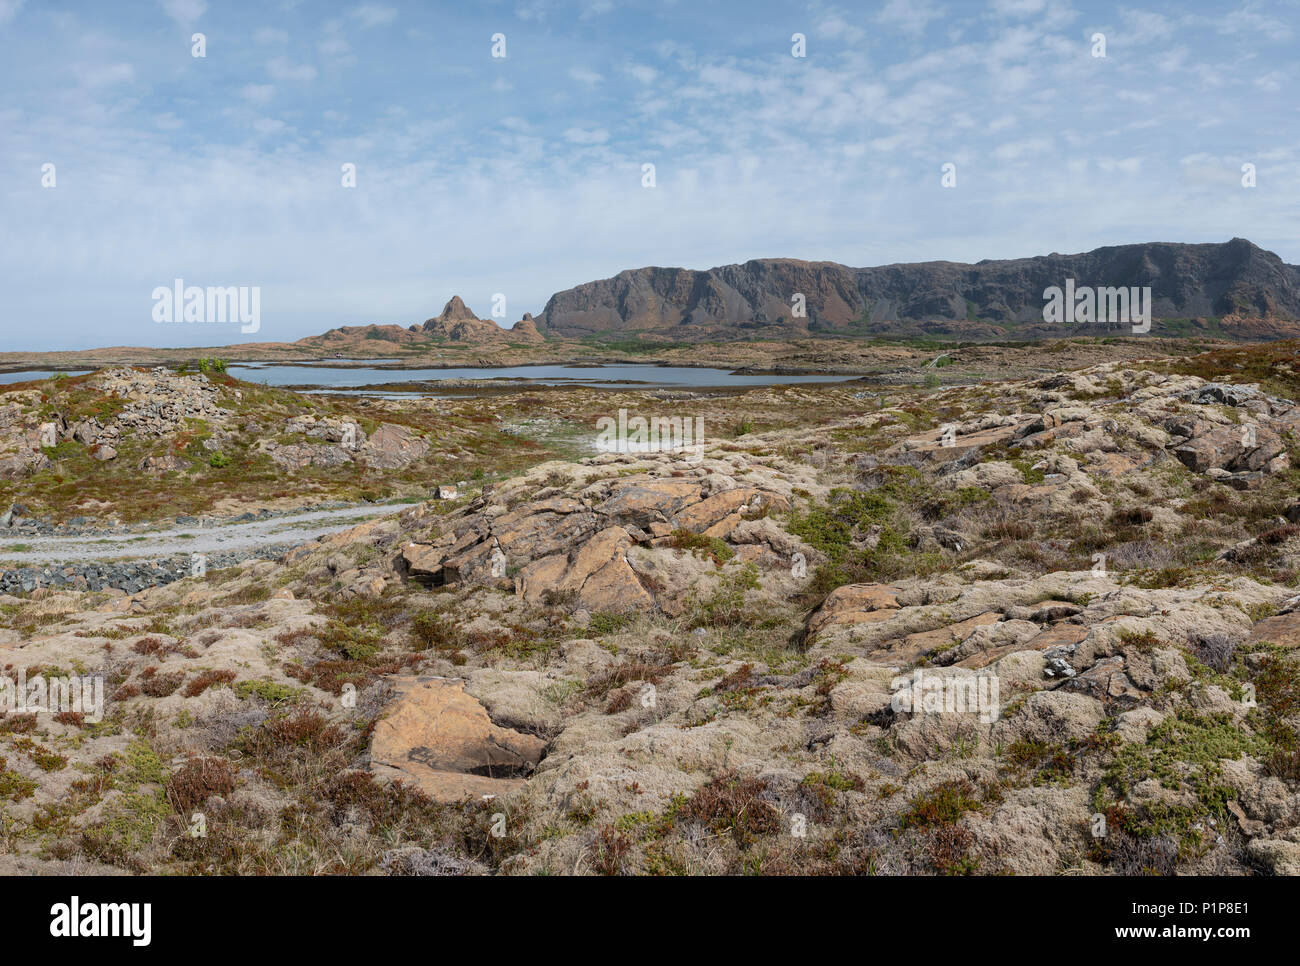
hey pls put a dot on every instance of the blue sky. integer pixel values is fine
(522, 175)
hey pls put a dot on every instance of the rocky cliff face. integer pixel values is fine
(1234, 288)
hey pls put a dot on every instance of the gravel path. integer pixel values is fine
(225, 538)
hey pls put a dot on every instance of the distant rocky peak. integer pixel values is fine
(456, 311)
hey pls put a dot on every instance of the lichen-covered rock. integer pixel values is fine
(437, 737)
(391, 447)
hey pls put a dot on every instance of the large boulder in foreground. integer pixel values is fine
(1283, 631)
(438, 738)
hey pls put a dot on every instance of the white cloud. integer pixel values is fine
(909, 16)
(1272, 81)
(1137, 97)
(373, 15)
(646, 75)
(270, 35)
(107, 75)
(1172, 61)
(584, 75)
(1248, 20)
(1049, 14)
(1018, 8)
(184, 12)
(1018, 149)
(257, 93)
(833, 25)
(280, 69)
(1058, 14)
(1120, 165)
(1145, 25)
(730, 79)
(577, 135)
(334, 47)
(532, 10)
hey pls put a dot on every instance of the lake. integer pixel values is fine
(30, 375)
(350, 379)
(347, 379)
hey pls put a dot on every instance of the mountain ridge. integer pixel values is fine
(1251, 291)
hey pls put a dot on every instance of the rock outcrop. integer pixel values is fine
(343, 441)
(440, 739)
(593, 550)
(457, 323)
(138, 404)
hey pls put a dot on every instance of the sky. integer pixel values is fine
(524, 174)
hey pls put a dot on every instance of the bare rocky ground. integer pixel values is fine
(662, 663)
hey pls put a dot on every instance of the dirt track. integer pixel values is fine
(229, 537)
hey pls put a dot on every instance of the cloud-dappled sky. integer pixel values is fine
(523, 175)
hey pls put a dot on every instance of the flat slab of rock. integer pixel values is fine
(1057, 636)
(642, 502)
(912, 648)
(715, 509)
(931, 447)
(1283, 630)
(441, 740)
(597, 576)
(542, 528)
(855, 604)
(392, 447)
